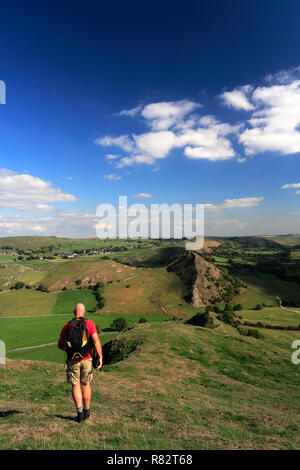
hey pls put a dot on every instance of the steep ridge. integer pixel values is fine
(204, 283)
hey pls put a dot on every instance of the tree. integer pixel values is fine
(258, 307)
(201, 319)
(101, 303)
(98, 285)
(216, 309)
(119, 324)
(238, 307)
(19, 285)
(42, 288)
(228, 317)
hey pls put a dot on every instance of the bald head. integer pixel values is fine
(79, 310)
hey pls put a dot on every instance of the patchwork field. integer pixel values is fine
(176, 386)
(128, 290)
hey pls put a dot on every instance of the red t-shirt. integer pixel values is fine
(91, 327)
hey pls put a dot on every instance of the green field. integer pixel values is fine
(50, 353)
(264, 288)
(184, 387)
(25, 332)
(26, 302)
(29, 302)
(66, 301)
(272, 316)
(32, 277)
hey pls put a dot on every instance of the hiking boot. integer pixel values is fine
(80, 417)
(86, 414)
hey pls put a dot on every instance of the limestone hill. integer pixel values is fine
(204, 283)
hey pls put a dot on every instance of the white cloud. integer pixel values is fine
(238, 98)
(207, 121)
(113, 177)
(208, 142)
(21, 225)
(284, 76)
(109, 157)
(28, 193)
(235, 203)
(241, 202)
(26, 206)
(146, 195)
(123, 141)
(156, 144)
(161, 116)
(290, 185)
(293, 186)
(199, 136)
(275, 123)
(131, 112)
(128, 161)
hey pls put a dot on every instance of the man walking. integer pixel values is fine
(77, 338)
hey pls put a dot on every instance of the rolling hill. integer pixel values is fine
(181, 387)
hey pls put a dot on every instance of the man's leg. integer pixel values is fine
(86, 377)
(73, 376)
(77, 395)
(86, 394)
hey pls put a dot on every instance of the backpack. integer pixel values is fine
(78, 341)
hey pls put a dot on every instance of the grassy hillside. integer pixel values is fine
(65, 274)
(131, 291)
(151, 290)
(178, 386)
(184, 387)
(26, 302)
(265, 288)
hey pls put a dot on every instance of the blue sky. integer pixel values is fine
(186, 102)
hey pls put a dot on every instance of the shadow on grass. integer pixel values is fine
(65, 417)
(5, 414)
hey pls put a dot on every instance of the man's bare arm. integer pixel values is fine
(98, 347)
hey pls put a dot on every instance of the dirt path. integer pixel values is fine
(284, 308)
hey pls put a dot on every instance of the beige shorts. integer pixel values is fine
(79, 371)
